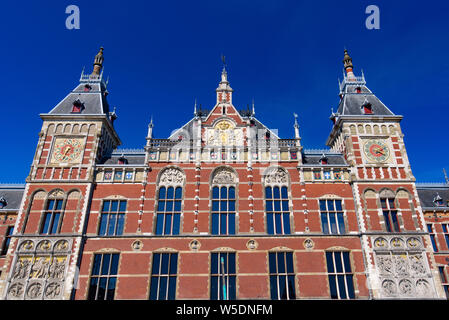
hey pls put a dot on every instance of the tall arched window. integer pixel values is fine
(277, 202)
(52, 217)
(169, 201)
(223, 197)
(277, 210)
(223, 210)
(168, 214)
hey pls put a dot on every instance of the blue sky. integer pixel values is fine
(286, 55)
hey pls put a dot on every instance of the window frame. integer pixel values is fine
(164, 213)
(444, 279)
(433, 238)
(275, 292)
(388, 213)
(227, 213)
(7, 240)
(118, 214)
(229, 277)
(445, 228)
(337, 275)
(336, 212)
(100, 276)
(169, 276)
(273, 212)
(51, 212)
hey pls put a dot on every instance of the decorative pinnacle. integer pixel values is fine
(296, 119)
(347, 61)
(98, 62)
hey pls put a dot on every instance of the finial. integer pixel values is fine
(98, 62)
(223, 59)
(253, 111)
(347, 60)
(194, 108)
(445, 176)
(296, 119)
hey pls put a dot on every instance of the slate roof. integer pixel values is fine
(428, 192)
(13, 196)
(133, 156)
(312, 157)
(93, 101)
(351, 103)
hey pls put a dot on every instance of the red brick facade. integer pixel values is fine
(378, 261)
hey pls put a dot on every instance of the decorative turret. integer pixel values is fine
(224, 91)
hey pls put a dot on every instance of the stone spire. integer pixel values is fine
(347, 62)
(98, 62)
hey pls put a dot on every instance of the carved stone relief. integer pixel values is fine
(172, 176)
(402, 267)
(276, 176)
(224, 176)
(40, 269)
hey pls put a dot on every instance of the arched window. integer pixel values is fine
(52, 217)
(223, 198)
(389, 211)
(168, 215)
(277, 210)
(223, 210)
(277, 201)
(169, 201)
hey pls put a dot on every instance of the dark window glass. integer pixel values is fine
(163, 276)
(112, 220)
(7, 241)
(390, 215)
(223, 210)
(103, 277)
(51, 219)
(282, 277)
(277, 210)
(332, 217)
(223, 277)
(168, 216)
(340, 277)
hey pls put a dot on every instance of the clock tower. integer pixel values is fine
(76, 134)
(390, 217)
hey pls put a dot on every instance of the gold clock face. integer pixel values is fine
(67, 150)
(377, 150)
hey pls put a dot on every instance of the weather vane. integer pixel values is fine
(223, 59)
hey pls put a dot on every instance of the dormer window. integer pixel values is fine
(358, 90)
(77, 106)
(267, 135)
(87, 88)
(323, 159)
(252, 123)
(367, 108)
(3, 202)
(122, 160)
(438, 200)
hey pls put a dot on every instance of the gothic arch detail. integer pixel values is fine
(172, 176)
(276, 176)
(224, 175)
